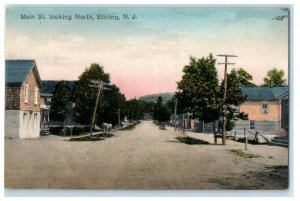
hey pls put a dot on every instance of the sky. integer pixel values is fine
(146, 55)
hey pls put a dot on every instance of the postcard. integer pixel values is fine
(147, 97)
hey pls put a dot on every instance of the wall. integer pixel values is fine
(29, 124)
(42, 100)
(19, 126)
(254, 110)
(12, 96)
(32, 83)
(262, 126)
(12, 123)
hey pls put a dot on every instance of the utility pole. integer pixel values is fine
(175, 111)
(100, 85)
(225, 92)
(119, 118)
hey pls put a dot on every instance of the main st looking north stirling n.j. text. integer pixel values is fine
(98, 16)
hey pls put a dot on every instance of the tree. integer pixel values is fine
(85, 98)
(199, 89)
(61, 96)
(161, 112)
(285, 14)
(133, 109)
(201, 94)
(274, 78)
(233, 99)
(110, 102)
(244, 77)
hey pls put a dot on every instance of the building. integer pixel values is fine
(45, 104)
(22, 99)
(267, 109)
(46, 101)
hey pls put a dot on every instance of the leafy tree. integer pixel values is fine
(133, 109)
(274, 78)
(233, 99)
(199, 89)
(244, 77)
(285, 14)
(61, 96)
(85, 97)
(161, 112)
(110, 102)
(180, 109)
(201, 94)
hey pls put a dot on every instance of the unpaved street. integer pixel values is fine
(143, 158)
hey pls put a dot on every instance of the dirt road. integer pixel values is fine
(143, 158)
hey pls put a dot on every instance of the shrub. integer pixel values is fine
(190, 140)
(241, 153)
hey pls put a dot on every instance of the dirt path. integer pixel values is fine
(143, 158)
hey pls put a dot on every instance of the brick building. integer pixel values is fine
(22, 99)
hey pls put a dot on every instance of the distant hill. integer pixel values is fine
(153, 97)
(49, 85)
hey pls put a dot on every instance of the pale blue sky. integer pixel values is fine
(159, 42)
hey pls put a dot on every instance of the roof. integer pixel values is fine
(264, 93)
(16, 71)
(49, 85)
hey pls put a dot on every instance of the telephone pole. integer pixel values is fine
(119, 118)
(100, 85)
(225, 93)
(175, 111)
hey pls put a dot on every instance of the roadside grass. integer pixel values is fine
(162, 128)
(97, 137)
(241, 153)
(129, 127)
(242, 140)
(191, 141)
(278, 167)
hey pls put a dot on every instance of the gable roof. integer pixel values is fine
(16, 71)
(263, 93)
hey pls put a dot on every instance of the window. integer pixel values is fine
(36, 95)
(252, 124)
(48, 99)
(26, 93)
(265, 108)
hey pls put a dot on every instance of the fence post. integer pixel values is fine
(246, 139)
(234, 135)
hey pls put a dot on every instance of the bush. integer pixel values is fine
(190, 140)
(76, 130)
(96, 137)
(241, 153)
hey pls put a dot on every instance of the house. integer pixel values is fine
(267, 109)
(46, 101)
(22, 99)
(45, 104)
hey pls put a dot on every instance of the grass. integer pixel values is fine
(129, 127)
(242, 140)
(162, 128)
(190, 140)
(278, 167)
(241, 153)
(97, 137)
